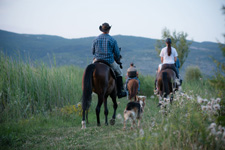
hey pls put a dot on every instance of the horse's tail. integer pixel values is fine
(134, 90)
(165, 84)
(87, 86)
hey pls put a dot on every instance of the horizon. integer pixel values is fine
(96, 36)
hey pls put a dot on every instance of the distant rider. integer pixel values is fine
(132, 73)
(105, 48)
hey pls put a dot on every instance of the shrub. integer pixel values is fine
(193, 73)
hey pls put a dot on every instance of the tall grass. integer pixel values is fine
(27, 89)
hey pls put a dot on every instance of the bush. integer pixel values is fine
(193, 73)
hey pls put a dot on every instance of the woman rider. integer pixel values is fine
(168, 57)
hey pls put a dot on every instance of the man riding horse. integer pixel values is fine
(105, 48)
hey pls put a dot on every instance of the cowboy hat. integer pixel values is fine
(104, 27)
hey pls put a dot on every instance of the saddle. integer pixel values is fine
(106, 63)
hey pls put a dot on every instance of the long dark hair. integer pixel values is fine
(168, 41)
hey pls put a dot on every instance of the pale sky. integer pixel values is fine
(202, 20)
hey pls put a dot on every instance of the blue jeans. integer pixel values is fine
(133, 78)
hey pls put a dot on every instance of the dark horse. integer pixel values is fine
(99, 78)
(166, 83)
(132, 87)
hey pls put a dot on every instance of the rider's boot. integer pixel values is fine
(120, 90)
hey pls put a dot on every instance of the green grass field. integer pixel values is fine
(40, 109)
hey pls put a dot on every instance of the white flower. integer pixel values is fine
(165, 128)
(218, 133)
(218, 100)
(209, 104)
(216, 107)
(118, 116)
(152, 97)
(199, 99)
(223, 136)
(205, 100)
(223, 129)
(141, 132)
(204, 107)
(213, 131)
(209, 107)
(212, 126)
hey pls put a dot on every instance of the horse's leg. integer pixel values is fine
(106, 111)
(83, 120)
(115, 105)
(98, 107)
(87, 116)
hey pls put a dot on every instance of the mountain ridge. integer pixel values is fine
(77, 51)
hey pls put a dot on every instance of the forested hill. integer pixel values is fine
(77, 52)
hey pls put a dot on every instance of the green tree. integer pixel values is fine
(218, 81)
(179, 42)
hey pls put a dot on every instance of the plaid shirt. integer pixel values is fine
(105, 47)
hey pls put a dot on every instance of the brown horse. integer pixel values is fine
(166, 83)
(99, 78)
(132, 87)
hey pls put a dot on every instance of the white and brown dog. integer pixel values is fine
(134, 111)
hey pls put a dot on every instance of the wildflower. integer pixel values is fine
(209, 104)
(182, 94)
(223, 136)
(212, 126)
(165, 128)
(204, 107)
(141, 132)
(209, 107)
(223, 129)
(152, 97)
(213, 131)
(205, 100)
(199, 99)
(219, 133)
(189, 97)
(216, 107)
(218, 100)
(118, 116)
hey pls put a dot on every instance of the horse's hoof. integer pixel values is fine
(83, 125)
(98, 124)
(106, 124)
(112, 121)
